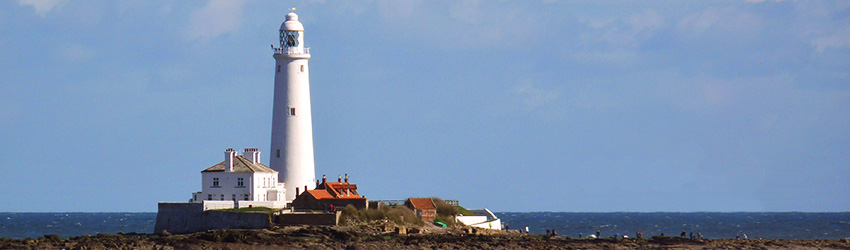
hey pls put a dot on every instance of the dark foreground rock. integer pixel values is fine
(387, 237)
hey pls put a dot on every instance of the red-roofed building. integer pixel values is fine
(423, 207)
(339, 194)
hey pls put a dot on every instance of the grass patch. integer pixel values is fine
(463, 211)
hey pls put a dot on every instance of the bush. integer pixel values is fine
(349, 215)
(448, 220)
(399, 215)
(444, 209)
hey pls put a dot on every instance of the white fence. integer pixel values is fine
(269, 204)
(210, 205)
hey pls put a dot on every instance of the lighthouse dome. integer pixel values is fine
(292, 23)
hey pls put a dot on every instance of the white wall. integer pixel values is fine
(227, 185)
(265, 182)
(258, 186)
(480, 221)
(469, 220)
(208, 205)
(269, 204)
(484, 219)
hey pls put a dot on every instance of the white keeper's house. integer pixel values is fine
(241, 178)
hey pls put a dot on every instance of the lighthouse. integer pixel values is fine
(292, 123)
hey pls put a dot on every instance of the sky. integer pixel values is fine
(516, 106)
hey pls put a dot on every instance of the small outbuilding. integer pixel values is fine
(423, 207)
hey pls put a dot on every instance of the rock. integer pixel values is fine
(161, 247)
(164, 233)
(51, 237)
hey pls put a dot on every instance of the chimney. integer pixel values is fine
(317, 184)
(296, 191)
(305, 188)
(228, 159)
(324, 179)
(339, 179)
(346, 178)
(253, 154)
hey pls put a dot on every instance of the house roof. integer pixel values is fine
(320, 194)
(335, 190)
(338, 189)
(422, 203)
(241, 165)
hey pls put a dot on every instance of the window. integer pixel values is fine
(302, 69)
(222, 196)
(247, 196)
(234, 197)
(278, 68)
(292, 111)
(278, 153)
(215, 182)
(209, 197)
(240, 182)
(288, 38)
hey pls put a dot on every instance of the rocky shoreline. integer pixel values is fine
(391, 237)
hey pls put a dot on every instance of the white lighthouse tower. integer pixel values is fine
(292, 122)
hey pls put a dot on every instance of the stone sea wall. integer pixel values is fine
(184, 218)
(191, 217)
(327, 219)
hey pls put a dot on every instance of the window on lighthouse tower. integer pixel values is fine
(288, 38)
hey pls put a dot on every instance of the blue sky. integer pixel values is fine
(511, 105)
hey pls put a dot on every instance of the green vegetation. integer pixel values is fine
(445, 213)
(397, 214)
(463, 211)
(444, 208)
(249, 210)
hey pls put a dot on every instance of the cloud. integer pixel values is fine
(467, 23)
(648, 20)
(617, 41)
(534, 96)
(217, 18)
(78, 52)
(838, 39)
(41, 6)
(719, 20)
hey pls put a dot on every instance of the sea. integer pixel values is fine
(784, 225)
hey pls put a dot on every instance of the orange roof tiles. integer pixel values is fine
(422, 203)
(335, 190)
(320, 194)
